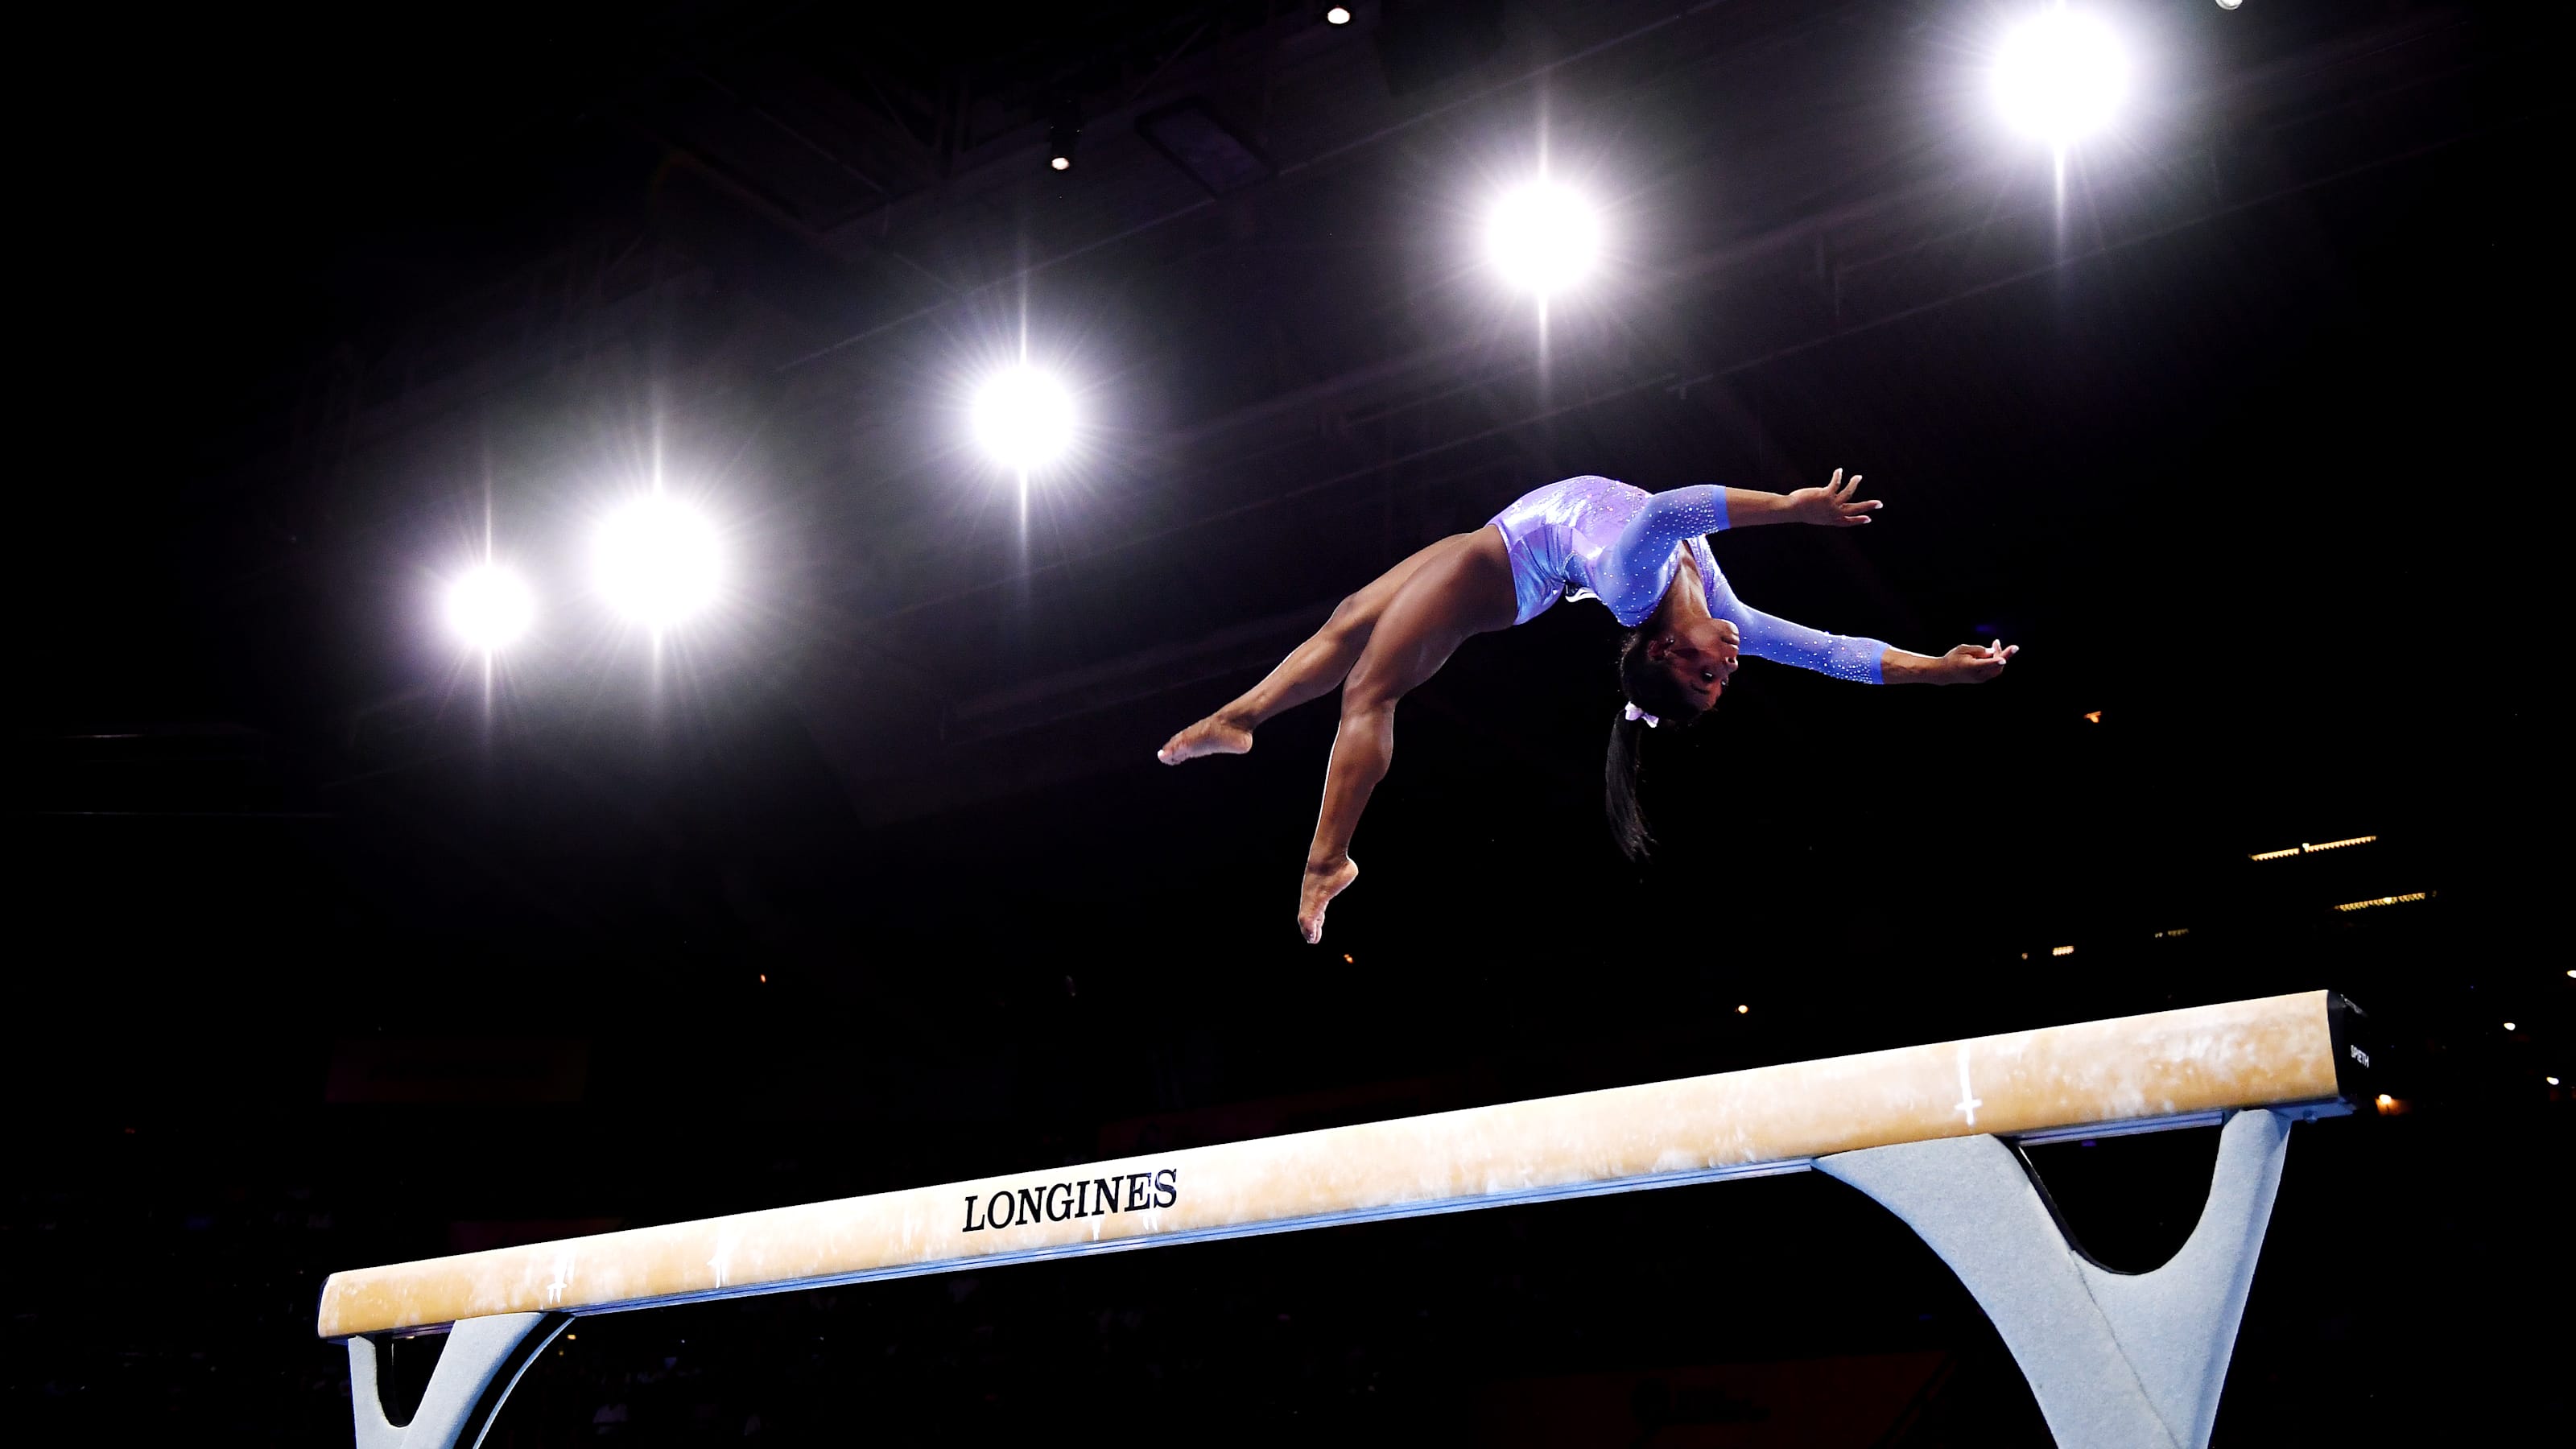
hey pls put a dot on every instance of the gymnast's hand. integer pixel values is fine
(1832, 506)
(1974, 663)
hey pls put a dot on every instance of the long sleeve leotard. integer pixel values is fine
(1598, 538)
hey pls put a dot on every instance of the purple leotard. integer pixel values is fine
(1597, 538)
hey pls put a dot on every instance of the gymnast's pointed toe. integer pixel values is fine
(1210, 736)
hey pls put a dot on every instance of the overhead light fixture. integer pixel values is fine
(1542, 238)
(2508, 1026)
(1338, 15)
(2304, 848)
(489, 607)
(2172, 932)
(2060, 76)
(2386, 901)
(656, 561)
(1024, 418)
(1064, 128)
(2061, 950)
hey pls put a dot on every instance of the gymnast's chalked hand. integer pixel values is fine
(1975, 663)
(1832, 506)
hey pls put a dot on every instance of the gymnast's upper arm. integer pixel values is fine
(1633, 569)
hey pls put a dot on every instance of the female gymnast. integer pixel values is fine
(1645, 555)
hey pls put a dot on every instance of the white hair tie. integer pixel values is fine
(1636, 713)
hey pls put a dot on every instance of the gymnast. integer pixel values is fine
(1644, 555)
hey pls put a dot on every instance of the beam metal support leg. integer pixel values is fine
(2116, 1360)
(476, 1371)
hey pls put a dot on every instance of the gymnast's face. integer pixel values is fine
(1701, 658)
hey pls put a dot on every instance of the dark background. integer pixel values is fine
(328, 954)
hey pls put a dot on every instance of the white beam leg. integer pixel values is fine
(2116, 1360)
(476, 1371)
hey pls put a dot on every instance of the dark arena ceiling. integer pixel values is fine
(2241, 420)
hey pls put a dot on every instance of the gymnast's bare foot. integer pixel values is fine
(1211, 736)
(1323, 882)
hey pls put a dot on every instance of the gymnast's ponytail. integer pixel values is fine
(1652, 699)
(1619, 781)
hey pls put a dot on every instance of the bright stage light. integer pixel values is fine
(1338, 15)
(2060, 77)
(2377, 901)
(488, 607)
(1024, 418)
(656, 561)
(1542, 238)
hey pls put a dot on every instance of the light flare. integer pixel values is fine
(1024, 418)
(2060, 76)
(1543, 238)
(657, 561)
(489, 608)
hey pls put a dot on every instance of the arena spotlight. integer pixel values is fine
(2060, 76)
(1064, 129)
(656, 561)
(1338, 15)
(1024, 418)
(1542, 238)
(489, 607)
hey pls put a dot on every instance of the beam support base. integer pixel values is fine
(476, 1371)
(2116, 1360)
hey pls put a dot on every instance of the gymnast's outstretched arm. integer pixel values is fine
(1844, 656)
(1768, 636)
(1632, 577)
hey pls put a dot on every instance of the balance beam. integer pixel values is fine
(1921, 1128)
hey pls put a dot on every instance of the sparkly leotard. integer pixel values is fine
(1597, 538)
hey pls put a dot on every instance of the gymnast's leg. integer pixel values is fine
(1456, 596)
(1312, 669)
